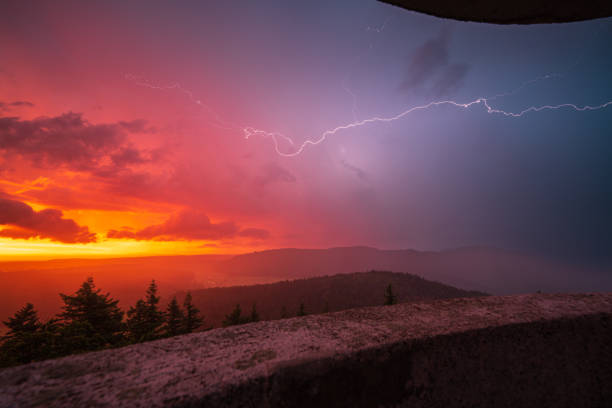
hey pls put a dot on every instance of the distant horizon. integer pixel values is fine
(4, 259)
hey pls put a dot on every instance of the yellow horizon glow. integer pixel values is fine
(100, 221)
(43, 249)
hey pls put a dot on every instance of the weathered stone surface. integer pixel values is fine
(510, 12)
(527, 350)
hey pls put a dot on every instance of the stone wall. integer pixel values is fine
(528, 350)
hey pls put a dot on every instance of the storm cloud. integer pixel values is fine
(71, 141)
(431, 69)
(6, 106)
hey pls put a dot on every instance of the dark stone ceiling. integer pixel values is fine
(510, 12)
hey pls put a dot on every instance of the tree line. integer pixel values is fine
(236, 317)
(91, 320)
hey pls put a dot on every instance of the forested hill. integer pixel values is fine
(320, 294)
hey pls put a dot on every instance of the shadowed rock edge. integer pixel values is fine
(558, 363)
(525, 350)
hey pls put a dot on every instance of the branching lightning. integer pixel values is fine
(347, 78)
(216, 118)
(276, 137)
(249, 131)
(525, 85)
(481, 101)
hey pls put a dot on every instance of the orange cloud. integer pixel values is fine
(189, 225)
(25, 223)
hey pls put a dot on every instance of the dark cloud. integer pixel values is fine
(136, 125)
(430, 68)
(6, 106)
(141, 185)
(69, 198)
(187, 225)
(71, 141)
(360, 173)
(451, 79)
(430, 57)
(127, 156)
(274, 173)
(255, 233)
(25, 223)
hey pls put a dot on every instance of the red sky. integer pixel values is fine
(93, 163)
(121, 130)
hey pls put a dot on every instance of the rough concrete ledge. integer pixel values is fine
(527, 350)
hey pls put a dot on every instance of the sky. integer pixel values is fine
(145, 128)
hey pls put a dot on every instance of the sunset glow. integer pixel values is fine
(198, 129)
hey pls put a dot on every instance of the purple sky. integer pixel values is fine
(122, 129)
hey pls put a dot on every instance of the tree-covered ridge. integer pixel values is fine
(91, 320)
(320, 295)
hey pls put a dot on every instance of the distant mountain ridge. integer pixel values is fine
(320, 294)
(487, 269)
(490, 270)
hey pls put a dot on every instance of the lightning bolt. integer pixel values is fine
(250, 131)
(525, 85)
(380, 28)
(216, 118)
(348, 76)
(352, 94)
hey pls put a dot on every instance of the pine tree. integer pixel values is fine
(326, 307)
(390, 297)
(175, 319)
(193, 320)
(145, 319)
(301, 311)
(234, 318)
(91, 320)
(254, 315)
(284, 314)
(29, 340)
(20, 344)
(137, 322)
(25, 320)
(50, 340)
